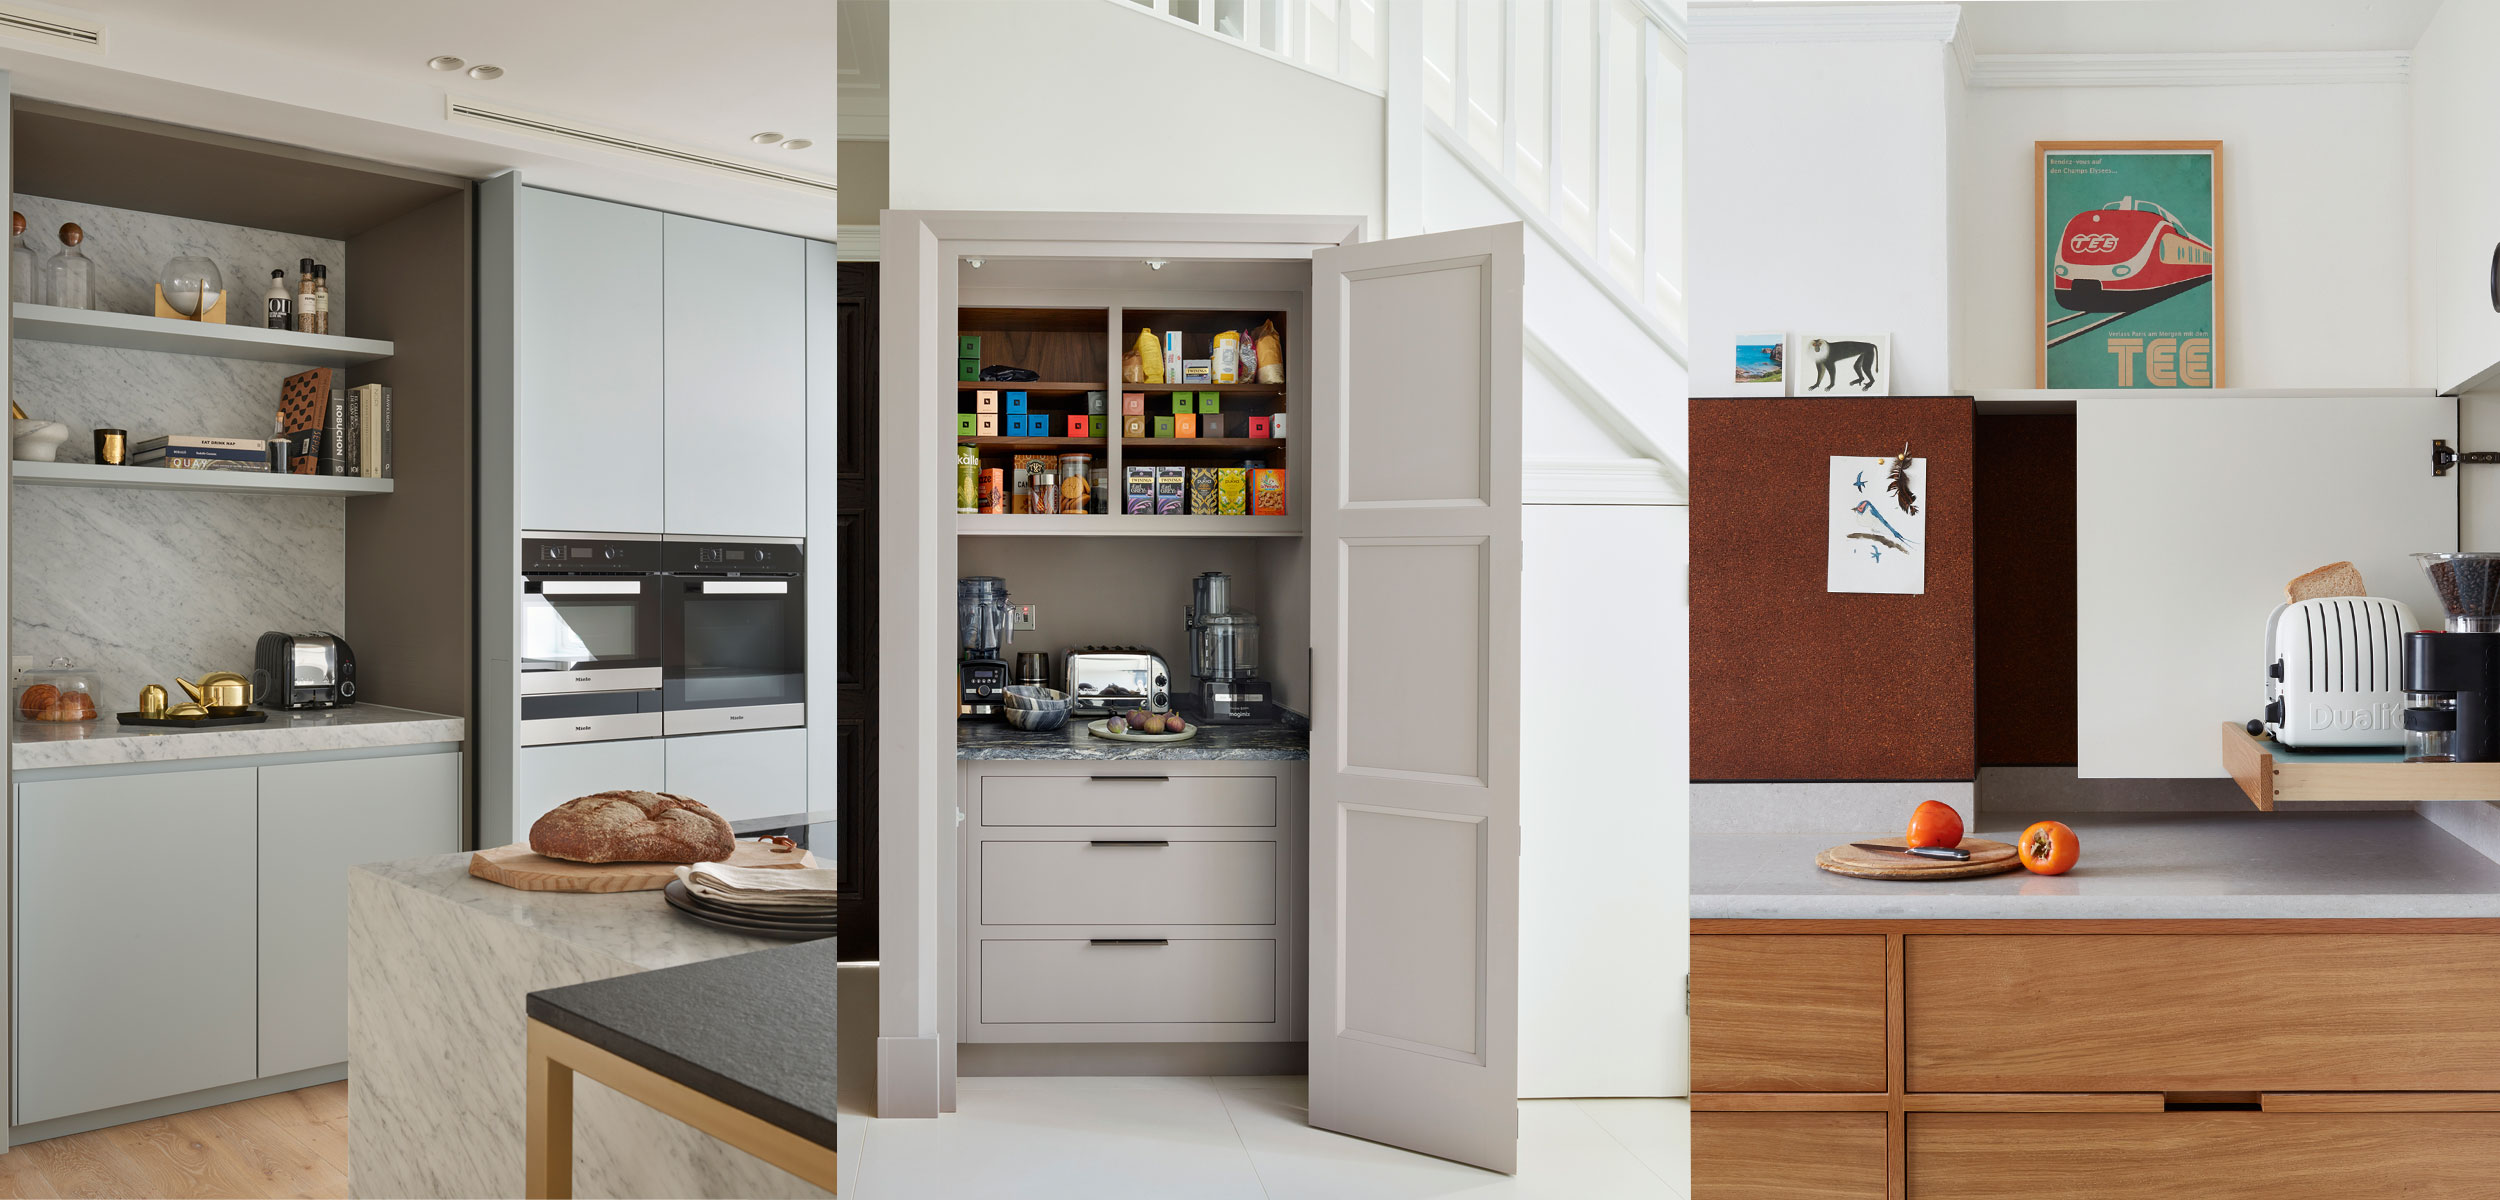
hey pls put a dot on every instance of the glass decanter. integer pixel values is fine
(69, 276)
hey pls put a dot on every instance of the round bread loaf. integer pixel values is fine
(633, 827)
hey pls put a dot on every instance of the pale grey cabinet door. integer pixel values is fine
(2192, 511)
(316, 821)
(736, 304)
(1415, 551)
(742, 775)
(551, 775)
(141, 988)
(586, 364)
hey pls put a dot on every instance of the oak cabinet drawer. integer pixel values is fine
(1075, 981)
(1788, 1013)
(1128, 883)
(1788, 1156)
(2200, 1012)
(1127, 798)
(2207, 1155)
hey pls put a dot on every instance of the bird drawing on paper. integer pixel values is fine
(1877, 551)
(1860, 482)
(1900, 484)
(1877, 529)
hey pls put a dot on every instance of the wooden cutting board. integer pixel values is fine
(1986, 858)
(518, 866)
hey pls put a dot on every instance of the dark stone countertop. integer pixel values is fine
(754, 1031)
(991, 739)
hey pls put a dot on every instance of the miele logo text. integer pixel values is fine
(2376, 716)
(2092, 243)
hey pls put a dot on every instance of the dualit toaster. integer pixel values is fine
(1107, 679)
(303, 670)
(2335, 672)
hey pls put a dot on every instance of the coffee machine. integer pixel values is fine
(2452, 677)
(1224, 654)
(984, 626)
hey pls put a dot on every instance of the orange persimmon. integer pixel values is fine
(1935, 824)
(2049, 848)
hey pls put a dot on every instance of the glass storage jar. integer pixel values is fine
(60, 692)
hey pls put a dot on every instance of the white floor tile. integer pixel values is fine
(1077, 1083)
(1659, 1132)
(1053, 1142)
(1563, 1155)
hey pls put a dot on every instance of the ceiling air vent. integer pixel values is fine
(51, 28)
(515, 122)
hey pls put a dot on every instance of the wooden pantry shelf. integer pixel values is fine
(2272, 774)
(1122, 525)
(1033, 389)
(1229, 389)
(246, 483)
(1034, 445)
(130, 331)
(1151, 444)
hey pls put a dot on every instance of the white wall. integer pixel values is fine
(1819, 200)
(1074, 105)
(2315, 247)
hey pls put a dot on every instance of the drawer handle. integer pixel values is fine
(1130, 941)
(1127, 843)
(1131, 778)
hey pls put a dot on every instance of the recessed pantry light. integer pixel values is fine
(445, 62)
(976, 263)
(1156, 264)
(482, 71)
(764, 139)
(797, 144)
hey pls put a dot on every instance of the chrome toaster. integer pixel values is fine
(1107, 679)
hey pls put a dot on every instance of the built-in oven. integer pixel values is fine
(735, 641)
(592, 641)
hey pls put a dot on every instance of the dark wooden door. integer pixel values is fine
(855, 626)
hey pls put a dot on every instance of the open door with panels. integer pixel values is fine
(1415, 557)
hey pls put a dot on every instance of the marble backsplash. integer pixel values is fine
(141, 586)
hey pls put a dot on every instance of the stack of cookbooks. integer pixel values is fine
(796, 903)
(199, 453)
(334, 429)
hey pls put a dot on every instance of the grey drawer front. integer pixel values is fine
(1129, 796)
(1135, 883)
(1077, 982)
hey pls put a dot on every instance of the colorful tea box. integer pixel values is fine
(1210, 402)
(967, 345)
(1171, 483)
(1258, 428)
(1276, 427)
(1163, 427)
(1232, 491)
(985, 424)
(1015, 402)
(1132, 404)
(1185, 425)
(1197, 370)
(1267, 491)
(985, 400)
(1140, 491)
(1133, 427)
(1184, 402)
(1094, 402)
(967, 370)
(1078, 425)
(966, 425)
(1202, 499)
(1216, 425)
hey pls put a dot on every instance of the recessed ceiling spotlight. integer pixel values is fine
(797, 144)
(976, 263)
(1156, 263)
(764, 139)
(445, 62)
(482, 71)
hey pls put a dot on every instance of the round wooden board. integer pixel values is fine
(1986, 858)
(517, 866)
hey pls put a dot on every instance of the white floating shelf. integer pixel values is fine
(174, 479)
(130, 331)
(1123, 525)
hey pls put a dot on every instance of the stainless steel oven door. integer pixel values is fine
(590, 634)
(736, 653)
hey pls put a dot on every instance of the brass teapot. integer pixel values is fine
(222, 693)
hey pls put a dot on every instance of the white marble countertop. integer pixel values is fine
(38, 745)
(634, 927)
(2134, 865)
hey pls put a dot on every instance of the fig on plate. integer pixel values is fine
(1174, 724)
(1154, 723)
(1117, 725)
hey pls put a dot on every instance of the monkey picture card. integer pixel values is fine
(1832, 364)
(1877, 539)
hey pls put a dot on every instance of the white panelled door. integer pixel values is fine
(1414, 484)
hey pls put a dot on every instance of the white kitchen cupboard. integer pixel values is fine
(735, 365)
(135, 936)
(551, 775)
(2456, 190)
(587, 339)
(741, 776)
(318, 819)
(2191, 512)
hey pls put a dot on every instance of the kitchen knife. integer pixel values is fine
(1943, 852)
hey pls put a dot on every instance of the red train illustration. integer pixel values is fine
(2127, 255)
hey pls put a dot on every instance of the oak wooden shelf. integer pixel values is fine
(1122, 525)
(1229, 389)
(1151, 445)
(2274, 774)
(245, 483)
(1033, 389)
(163, 335)
(1036, 445)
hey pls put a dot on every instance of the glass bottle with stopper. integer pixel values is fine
(69, 276)
(21, 262)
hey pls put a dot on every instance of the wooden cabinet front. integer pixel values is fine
(1788, 1156)
(2207, 1155)
(1788, 1014)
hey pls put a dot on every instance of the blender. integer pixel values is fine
(2452, 676)
(1224, 654)
(983, 628)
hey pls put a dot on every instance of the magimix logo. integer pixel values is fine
(2383, 715)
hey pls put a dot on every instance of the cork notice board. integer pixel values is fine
(1790, 682)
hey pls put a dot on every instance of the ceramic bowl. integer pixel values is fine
(36, 441)
(1036, 720)
(1037, 699)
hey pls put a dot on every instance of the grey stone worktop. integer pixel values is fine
(104, 742)
(2134, 865)
(992, 739)
(632, 927)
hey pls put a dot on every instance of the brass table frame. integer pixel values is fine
(556, 1056)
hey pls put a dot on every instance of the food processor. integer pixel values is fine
(1224, 654)
(2452, 677)
(984, 626)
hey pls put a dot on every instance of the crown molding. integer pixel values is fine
(2188, 70)
(1725, 24)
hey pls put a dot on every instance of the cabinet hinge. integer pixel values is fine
(2444, 456)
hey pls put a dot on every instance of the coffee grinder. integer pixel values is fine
(1224, 654)
(984, 626)
(2452, 678)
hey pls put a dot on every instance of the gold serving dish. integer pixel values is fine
(217, 694)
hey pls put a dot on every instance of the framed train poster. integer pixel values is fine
(2130, 264)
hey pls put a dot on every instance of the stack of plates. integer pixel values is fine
(708, 892)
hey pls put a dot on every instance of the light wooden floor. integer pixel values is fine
(289, 1144)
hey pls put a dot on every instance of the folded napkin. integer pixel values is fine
(779, 889)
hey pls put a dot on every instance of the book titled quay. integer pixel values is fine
(333, 429)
